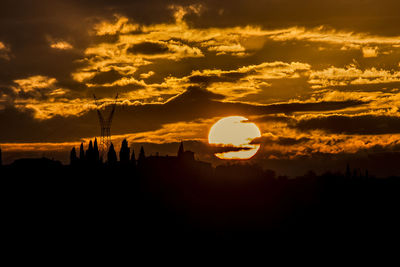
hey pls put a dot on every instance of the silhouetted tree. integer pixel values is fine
(180, 150)
(348, 171)
(142, 156)
(72, 156)
(111, 155)
(133, 158)
(81, 153)
(124, 152)
(96, 153)
(90, 152)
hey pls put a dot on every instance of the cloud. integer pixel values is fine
(33, 83)
(148, 48)
(279, 140)
(81, 122)
(370, 51)
(351, 75)
(4, 51)
(61, 45)
(147, 75)
(358, 124)
(105, 77)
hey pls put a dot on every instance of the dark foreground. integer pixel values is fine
(170, 201)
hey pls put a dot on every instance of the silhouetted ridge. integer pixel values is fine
(177, 196)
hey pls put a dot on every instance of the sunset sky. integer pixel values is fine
(321, 79)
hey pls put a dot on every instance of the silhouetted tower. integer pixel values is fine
(124, 153)
(180, 150)
(105, 126)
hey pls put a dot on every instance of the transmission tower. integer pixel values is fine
(105, 126)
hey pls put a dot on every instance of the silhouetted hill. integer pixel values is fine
(176, 197)
(35, 163)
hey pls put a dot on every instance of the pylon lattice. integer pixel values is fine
(105, 127)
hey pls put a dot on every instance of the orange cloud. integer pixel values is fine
(61, 45)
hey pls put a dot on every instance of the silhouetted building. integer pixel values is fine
(124, 153)
(185, 155)
(111, 155)
(180, 150)
(72, 157)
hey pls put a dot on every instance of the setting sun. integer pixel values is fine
(237, 132)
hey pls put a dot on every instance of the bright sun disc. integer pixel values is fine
(237, 132)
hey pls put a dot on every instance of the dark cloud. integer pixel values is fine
(148, 48)
(283, 141)
(274, 118)
(194, 104)
(106, 77)
(313, 106)
(366, 15)
(226, 148)
(365, 124)
(223, 77)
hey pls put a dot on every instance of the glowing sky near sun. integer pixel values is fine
(238, 132)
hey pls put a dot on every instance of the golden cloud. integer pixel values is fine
(351, 75)
(61, 45)
(34, 83)
(4, 51)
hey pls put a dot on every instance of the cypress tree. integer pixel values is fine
(81, 153)
(133, 158)
(124, 152)
(142, 156)
(96, 153)
(90, 152)
(111, 155)
(72, 156)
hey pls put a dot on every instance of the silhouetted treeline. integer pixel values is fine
(179, 197)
